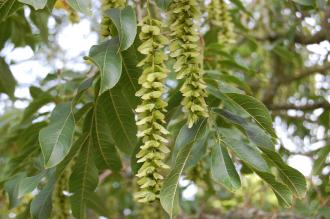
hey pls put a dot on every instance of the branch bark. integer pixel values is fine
(306, 107)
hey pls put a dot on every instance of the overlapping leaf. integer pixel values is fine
(107, 155)
(109, 62)
(222, 168)
(56, 139)
(83, 181)
(120, 118)
(184, 144)
(125, 22)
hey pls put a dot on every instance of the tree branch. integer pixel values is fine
(319, 69)
(306, 107)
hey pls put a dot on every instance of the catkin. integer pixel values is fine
(61, 203)
(218, 15)
(184, 47)
(150, 113)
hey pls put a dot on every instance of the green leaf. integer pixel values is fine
(115, 111)
(36, 4)
(163, 4)
(83, 181)
(83, 6)
(255, 109)
(188, 136)
(282, 192)
(108, 61)
(246, 152)
(169, 194)
(7, 80)
(254, 132)
(125, 22)
(321, 159)
(11, 187)
(198, 150)
(222, 168)
(41, 206)
(183, 145)
(8, 7)
(240, 5)
(107, 155)
(28, 184)
(129, 80)
(290, 176)
(40, 19)
(41, 100)
(305, 2)
(56, 139)
(230, 104)
(94, 202)
(231, 64)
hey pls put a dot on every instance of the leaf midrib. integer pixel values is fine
(98, 143)
(177, 182)
(58, 137)
(117, 115)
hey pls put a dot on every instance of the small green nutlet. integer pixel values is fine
(188, 58)
(106, 24)
(151, 112)
(218, 15)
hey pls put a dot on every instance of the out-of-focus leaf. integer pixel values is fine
(304, 2)
(28, 184)
(56, 139)
(41, 100)
(7, 80)
(125, 22)
(83, 6)
(36, 4)
(240, 6)
(11, 187)
(163, 4)
(8, 7)
(109, 62)
(94, 202)
(41, 206)
(321, 159)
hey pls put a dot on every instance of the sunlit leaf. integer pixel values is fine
(56, 139)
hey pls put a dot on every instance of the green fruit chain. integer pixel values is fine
(61, 202)
(150, 113)
(219, 16)
(188, 58)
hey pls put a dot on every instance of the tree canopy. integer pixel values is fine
(181, 109)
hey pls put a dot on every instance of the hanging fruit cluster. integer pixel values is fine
(184, 47)
(151, 112)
